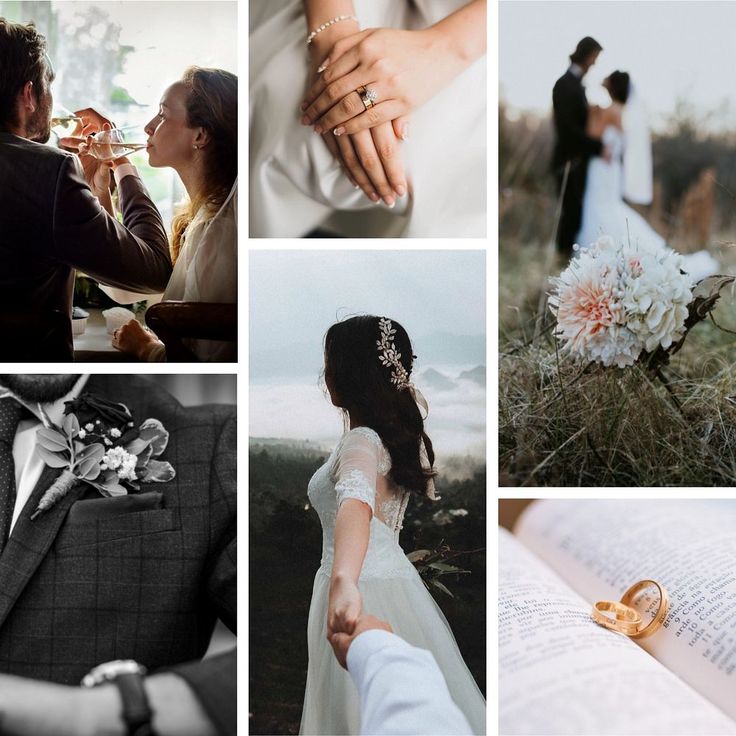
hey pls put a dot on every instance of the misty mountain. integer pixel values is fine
(476, 375)
(432, 379)
(304, 359)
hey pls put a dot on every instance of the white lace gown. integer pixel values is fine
(606, 213)
(389, 584)
(296, 185)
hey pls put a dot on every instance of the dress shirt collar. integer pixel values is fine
(54, 409)
(576, 70)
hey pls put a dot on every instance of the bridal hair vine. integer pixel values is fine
(391, 357)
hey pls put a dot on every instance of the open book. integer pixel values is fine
(561, 673)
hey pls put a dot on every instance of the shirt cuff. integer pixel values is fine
(367, 643)
(125, 170)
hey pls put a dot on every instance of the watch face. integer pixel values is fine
(108, 671)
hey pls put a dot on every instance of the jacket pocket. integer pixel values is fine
(94, 530)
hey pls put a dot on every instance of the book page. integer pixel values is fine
(602, 547)
(561, 673)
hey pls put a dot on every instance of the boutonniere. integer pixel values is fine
(98, 444)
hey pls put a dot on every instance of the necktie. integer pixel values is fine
(10, 414)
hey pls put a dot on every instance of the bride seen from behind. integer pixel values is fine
(195, 132)
(360, 495)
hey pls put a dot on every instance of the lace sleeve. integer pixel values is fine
(356, 467)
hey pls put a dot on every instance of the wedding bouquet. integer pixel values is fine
(616, 304)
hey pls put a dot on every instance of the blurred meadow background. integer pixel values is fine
(559, 426)
(439, 297)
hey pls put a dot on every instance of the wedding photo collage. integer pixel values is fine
(478, 430)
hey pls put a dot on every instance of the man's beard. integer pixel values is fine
(41, 388)
(38, 125)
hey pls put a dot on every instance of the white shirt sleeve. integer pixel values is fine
(124, 170)
(401, 689)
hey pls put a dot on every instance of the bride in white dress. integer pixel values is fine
(360, 495)
(623, 130)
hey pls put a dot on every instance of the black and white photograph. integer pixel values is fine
(118, 564)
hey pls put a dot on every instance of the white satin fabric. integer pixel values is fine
(606, 213)
(389, 584)
(296, 185)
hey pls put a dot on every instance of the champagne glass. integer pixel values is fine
(63, 121)
(107, 145)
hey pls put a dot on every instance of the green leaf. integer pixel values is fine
(51, 439)
(446, 568)
(157, 471)
(154, 431)
(52, 459)
(438, 584)
(418, 554)
(70, 425)
(137, 446)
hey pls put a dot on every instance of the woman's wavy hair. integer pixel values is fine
(212, 104)
(360, 383)
(22, 59)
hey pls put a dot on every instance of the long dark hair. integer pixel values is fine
(213, 105)
(618, 84)
(360, 383)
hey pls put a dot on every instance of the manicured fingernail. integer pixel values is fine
(339, 131)
(303, 106)
(323, 65)
(373, 196)
(305, 120)
(405, 132)
(390, 202)
(401, 190)
(317, 128)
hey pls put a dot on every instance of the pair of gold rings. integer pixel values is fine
(367, 95)
(627, 619)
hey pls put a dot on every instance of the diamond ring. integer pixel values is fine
(369, 97)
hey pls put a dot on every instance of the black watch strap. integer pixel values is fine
(137, 712)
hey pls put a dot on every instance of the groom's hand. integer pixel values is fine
(341, 642)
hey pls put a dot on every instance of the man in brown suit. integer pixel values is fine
(55, 215)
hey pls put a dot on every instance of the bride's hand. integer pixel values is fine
(370, 160)
(403, 68)
(344, 606)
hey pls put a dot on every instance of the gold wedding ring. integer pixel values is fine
(367, 95)
(661, 614)
(627, 619)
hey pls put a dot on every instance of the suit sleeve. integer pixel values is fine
(568, 124)
(377, 661)
(214, 680)
(133, 255)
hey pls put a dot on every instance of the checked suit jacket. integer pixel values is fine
(141, 577)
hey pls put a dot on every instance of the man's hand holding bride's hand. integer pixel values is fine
(371, 159)
(344, 606)
(341, 642)
(135, 339)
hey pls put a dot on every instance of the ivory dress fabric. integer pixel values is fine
(389, 584)
(296, 185)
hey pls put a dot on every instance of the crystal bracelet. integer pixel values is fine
(329, 23)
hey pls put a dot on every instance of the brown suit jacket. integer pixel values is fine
(143, 576)
(51, 224)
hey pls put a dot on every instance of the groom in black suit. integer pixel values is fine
(140, 577)
(51, 216)
(573, 146)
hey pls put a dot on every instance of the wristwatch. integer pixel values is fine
(127, 674)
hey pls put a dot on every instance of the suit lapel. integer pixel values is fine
(31, 540)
